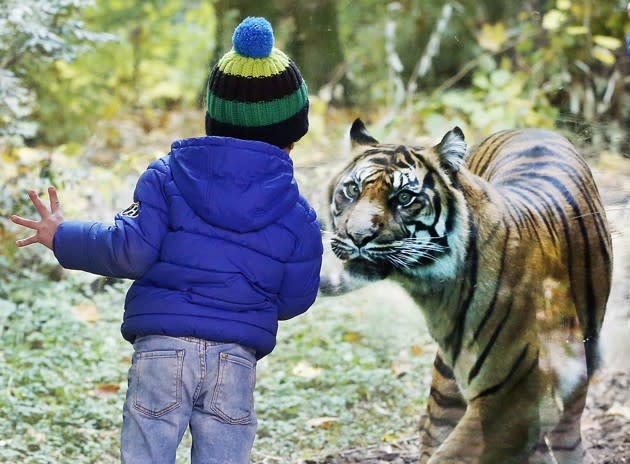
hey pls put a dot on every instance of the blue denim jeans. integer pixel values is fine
(175, 383)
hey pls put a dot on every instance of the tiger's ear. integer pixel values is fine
(359, 134)
(451, 150)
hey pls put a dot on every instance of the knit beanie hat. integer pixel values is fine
(255, 91)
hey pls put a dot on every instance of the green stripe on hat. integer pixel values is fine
(259, 113)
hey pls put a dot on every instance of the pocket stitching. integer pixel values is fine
(179, 355)
(224, 359)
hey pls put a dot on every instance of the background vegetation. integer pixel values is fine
(91, 91)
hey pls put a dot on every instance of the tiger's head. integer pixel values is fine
(397, 208)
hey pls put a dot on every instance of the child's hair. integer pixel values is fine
(255, 91)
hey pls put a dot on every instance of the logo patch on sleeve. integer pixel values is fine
(133, 211)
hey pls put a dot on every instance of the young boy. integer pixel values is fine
(221, 246)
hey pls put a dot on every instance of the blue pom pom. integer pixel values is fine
(628, 41)
(253, 38)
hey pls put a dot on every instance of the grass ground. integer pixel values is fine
(345, 374)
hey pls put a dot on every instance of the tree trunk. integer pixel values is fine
(316, 48)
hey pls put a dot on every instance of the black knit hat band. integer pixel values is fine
(281, 134)
(251, 90)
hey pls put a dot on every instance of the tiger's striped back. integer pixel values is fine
(553, 200)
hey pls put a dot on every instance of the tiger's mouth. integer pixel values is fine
(380, 259)
(368, 270)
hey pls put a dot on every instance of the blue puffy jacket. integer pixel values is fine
(220, 243)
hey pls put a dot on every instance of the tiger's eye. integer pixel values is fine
(351, 190)
(405, 198)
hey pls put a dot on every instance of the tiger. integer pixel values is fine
(507, 251)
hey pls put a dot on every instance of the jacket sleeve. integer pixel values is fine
(127, 248)
(301, 277)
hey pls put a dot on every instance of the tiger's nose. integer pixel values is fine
(364, 223)
(362, 238)
(363, 235)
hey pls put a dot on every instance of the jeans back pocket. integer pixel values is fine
(233, 397)
(158, 382)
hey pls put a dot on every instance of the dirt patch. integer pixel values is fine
(605, 424)
(606, 421)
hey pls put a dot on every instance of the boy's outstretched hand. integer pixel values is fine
(47, 226)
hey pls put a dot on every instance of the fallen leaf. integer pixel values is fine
(39, 437)
(107, 389)
(390, 437)
(352, 337)
(306, 370)
(417, 350)
(86, 312)
(619, 410)
(325, 422)
(400, 369)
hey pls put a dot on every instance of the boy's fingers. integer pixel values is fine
(43, 211)
(24, 222)
(54, 200)
(27, 241)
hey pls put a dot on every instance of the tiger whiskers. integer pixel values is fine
(405, 259)
(406, 252)
(403, 253)
(341, 249)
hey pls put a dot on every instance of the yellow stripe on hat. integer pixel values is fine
(238, 65)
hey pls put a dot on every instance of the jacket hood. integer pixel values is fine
(235, 184)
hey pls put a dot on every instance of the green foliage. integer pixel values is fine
(342, 374)
(23, 169)
(576, 58)
(86, 191)
(493, 65)
(498, 98)
(34, 33)
(566, 55)
(60, 375)
(160, 60)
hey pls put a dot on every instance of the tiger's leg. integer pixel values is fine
(566, 437)
(490, 432)
(445, 407)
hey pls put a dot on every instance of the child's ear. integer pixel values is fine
(451, 150)
(359, 134)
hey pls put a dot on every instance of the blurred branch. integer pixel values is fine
(395, 67)
(328, 91)
(607, 99)
(432, 48)
(10, 59)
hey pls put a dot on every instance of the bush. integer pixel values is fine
(33, 34)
